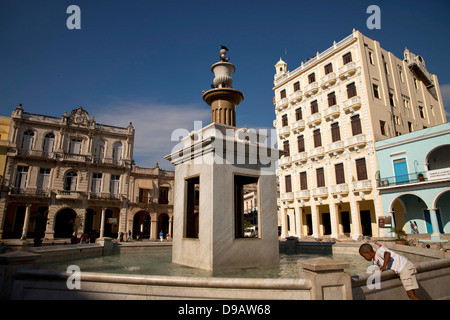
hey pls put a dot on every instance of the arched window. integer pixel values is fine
(99, 151)
(49, 144)
(70, 181)
(27, 140)
(117, 153)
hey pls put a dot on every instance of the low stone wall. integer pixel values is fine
(433, 277)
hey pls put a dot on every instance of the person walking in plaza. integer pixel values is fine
(161, 236)
(389, 260)
(129, 235)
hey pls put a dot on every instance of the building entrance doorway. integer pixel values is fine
(141, 225)
(366, 223)
(64, 223)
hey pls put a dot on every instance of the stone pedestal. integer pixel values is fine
(328, 279)
(108, 245)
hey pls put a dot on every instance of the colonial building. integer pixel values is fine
(4, 144)
(329, 113)
(150, 208)
(65, 175)
(414, 182)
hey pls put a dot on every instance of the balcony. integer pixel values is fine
(284, 131)
(104, 196)
(336, 147)
(361, 186)
(314, 120)
(303, 195)
(318, 152)
(282, 104)
(328, 80)
(351, 105)
(348, 70)
(285, 161)
(296, 96)
(300, 157)
(311, 89)
(331, 113)
(339, 189)
(36, 154)
(298, 126)
(357, 142)
(288, 196)
(321, 192)
(67, 195)
(30, 192)
(426, 177)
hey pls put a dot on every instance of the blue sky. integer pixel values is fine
(147, 62)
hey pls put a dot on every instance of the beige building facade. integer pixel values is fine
(329, 113)
(65, 175)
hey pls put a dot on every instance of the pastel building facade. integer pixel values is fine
(330, 111)
(414, 181)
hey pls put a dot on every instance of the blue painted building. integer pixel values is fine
(414, 181)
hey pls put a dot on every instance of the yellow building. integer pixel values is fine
(5, 123)
(329, 113)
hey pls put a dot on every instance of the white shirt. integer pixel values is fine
(396, 261)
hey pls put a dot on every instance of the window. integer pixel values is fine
(283, 94)
(391, 100)
(27, 140)
(70, 181)
(21, 177)
(416, 85)
(320, 177)
(347, 58)
(314, 107)
(75, 146)
(99, 151)
(312, 78)
(410, 128)
(331, 99)
(192, 207)
(296, 86)
(49, 144)
(422, 114)
(284, 120)
(143, 195)
(43, 179)
(117, 153)
(401, 75)
(298, 114)
(383, 127)
(163, 195)
(335, 134)
(339, 171)
(286, 148)
(376, 94)
(328, 68)
(287, 184)
(96, 186)
(371, 58)
(303, 181)
(361, 170)
(317, 138)
(356, 125)
(301, 143)
(351, 90)
(241, 184)
(114, 186)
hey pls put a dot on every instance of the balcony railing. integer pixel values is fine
(362, 185)
(284, 131)
(296, 96)
(311, 89)
(339, 188)
(303, 194)
(301, 156)
(347, 70)
(402, 179)
(288, 196)
(298, 125)
(314, 119)
(331, 113)
(328, 80)
(283, 103)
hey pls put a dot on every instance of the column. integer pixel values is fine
(356, 219)
(170, 225)
(154, 232)
(298, 219)
(436, 235)
(315, 220)
(102, 225)
(26, 221)
(334, 217)
(283, 220)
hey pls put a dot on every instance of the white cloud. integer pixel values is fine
(154, 124)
